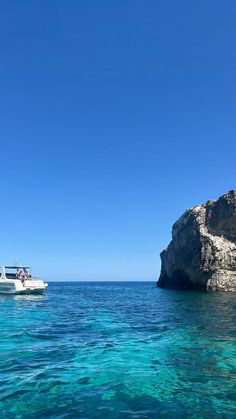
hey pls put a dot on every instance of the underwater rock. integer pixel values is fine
(202, 252)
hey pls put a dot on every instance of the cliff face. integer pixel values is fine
(202, 252)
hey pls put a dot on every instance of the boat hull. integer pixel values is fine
(16, 287)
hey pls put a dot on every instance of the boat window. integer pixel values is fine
(10, 275)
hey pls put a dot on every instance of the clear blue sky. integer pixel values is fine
(115, 117)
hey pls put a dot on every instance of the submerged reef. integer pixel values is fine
(202, 252)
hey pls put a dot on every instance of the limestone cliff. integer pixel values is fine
(202, 252)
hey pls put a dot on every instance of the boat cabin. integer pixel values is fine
(15, 272)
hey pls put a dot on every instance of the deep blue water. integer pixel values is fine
(118, 350)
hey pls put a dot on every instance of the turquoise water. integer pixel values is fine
(118, 350)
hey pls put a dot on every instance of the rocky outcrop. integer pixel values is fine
(202, 252)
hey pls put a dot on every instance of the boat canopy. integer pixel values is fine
(17, 267)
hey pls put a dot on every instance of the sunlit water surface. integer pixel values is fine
(118, 350)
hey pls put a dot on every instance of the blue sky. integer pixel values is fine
(116, 116)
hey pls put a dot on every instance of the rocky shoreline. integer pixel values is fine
(202, 252)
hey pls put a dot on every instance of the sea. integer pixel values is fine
(114, 350)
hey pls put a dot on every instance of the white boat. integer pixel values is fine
(18, 280)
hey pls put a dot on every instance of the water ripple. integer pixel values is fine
(117, 350)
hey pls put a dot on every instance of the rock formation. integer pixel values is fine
(202, 252)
